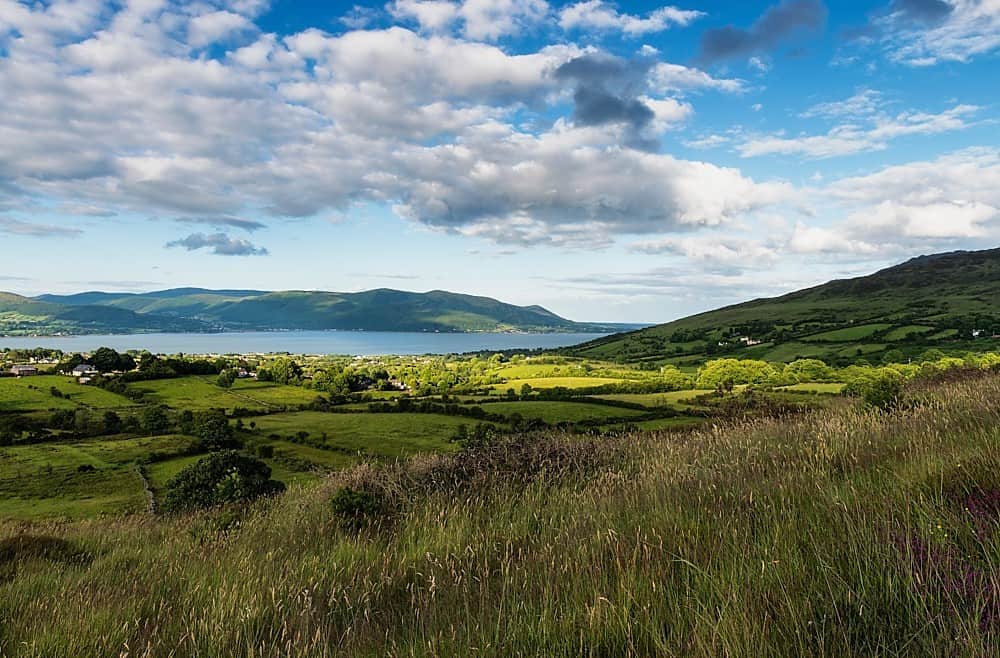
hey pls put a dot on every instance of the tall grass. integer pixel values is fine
(842, 532)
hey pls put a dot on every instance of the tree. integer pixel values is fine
(106, 359)
(214, 430)
(111, 423)
(220, 478)
(285, 371)
(808, 370)
(736, 371)
(154, 420)
(226, 378)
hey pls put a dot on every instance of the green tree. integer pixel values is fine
(154, 420)
(285, 371)
(111, 423)
(214, 430)
(220, 478)
(226, 378)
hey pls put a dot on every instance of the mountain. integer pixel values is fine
(23, 315)
(373, 310)
(950, 301)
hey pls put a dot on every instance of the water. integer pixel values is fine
(302, 342)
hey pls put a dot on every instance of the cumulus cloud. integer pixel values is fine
(774, 26)
(220, 244)
(930, 204)
(600, 15)
(128, 109)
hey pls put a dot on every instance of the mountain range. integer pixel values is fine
(948, 301)
(198, 309)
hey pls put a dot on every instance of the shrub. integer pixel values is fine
(880, 389)
(356, 509)
(222, 477)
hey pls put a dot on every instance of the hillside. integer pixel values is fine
(840, 532)
(374, 310)
(26, 316)
(949, 301)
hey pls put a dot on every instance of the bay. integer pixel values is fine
(354, 343)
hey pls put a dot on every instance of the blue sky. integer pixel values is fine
(630, 161)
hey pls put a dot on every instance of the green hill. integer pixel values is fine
(374, 310)
(23, 315)
(950, 301)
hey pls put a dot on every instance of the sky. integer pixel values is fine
(629, 161)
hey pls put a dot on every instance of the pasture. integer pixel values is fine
(560, 412)
(35, 394)
(554, 382)
(201, 393)
(374, 434)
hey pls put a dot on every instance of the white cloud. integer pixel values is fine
(124, 110)
(971, 28)
(215, 26)
(849, 138)
(865, 102)
(713, 249)
(932, 203)
(433, 15)
(666, 77)
(492, 19)
(600, 15)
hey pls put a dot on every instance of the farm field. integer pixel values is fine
(201, 393)
(907, 332)
(553, 382)
(849, 334)
(815, 387)
(374, 434)
(560, 412)
(676, 399)
(34, 394)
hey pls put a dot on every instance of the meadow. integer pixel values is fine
(35, 394)
(844, 531)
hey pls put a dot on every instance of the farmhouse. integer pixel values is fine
(84, 370)
(24, 371)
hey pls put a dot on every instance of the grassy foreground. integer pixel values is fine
(840, 532)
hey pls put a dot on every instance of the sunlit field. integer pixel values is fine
(839, 532)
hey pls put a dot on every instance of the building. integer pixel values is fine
(84, 370)
(23, 371)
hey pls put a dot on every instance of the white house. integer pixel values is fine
(84, 370)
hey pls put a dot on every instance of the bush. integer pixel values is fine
(880, 389)
(357, 509)
(222, 477)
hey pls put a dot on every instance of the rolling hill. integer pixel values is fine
(949, 301)
(374, 310)
(23, 315)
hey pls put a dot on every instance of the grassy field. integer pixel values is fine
(553, 382)
(815, 387)
(841, 532)
(848, 335)
(200, 393)
(559, 412)
(676, 399)
(380, 434)
(33, 394)
(907, 332)
(43, 480)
